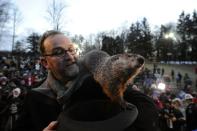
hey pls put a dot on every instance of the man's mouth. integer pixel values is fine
(70, 64)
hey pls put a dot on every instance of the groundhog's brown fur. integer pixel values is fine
(113, 72)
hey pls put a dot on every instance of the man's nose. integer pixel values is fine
(69, 56)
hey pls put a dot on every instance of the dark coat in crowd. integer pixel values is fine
(41, 106)
(178, 124)
(191, 117)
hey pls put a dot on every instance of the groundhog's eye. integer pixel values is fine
(132, 60)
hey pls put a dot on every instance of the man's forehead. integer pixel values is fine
(58, 40)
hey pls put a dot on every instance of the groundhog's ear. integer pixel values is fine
(44, 62)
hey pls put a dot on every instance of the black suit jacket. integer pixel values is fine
(41, 109)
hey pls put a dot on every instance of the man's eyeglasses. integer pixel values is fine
(59, 52)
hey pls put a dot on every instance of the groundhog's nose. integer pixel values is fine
(140, 59)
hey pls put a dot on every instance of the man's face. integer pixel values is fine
(62, 57)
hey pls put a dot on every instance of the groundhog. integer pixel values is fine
(113, 72)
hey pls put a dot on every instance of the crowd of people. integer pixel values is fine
(177, 102)
(17, 74)
(20, 76)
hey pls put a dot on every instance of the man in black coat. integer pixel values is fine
(68, 83)
(191, 113)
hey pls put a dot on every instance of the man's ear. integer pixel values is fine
(44, 62)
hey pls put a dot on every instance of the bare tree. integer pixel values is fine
(55, 13)
(98, 39)
(16, 19)
(78, 39)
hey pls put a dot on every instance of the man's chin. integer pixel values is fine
(72, 71)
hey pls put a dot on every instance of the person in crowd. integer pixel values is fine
(196, 84)
(66, 84)
(154, 68)
(177, 118)
(14, 108)
(194, 94)
(171, 118)
(191, 113)
(158, 103)
(172, 75)
(179, 79)
(187, 80)
(162, 71)
(164, 115)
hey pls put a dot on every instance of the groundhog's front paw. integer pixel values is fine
(126, 106)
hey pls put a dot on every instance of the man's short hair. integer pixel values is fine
(44, 37)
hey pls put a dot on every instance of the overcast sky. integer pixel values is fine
(91, 16)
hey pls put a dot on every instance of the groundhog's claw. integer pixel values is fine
(126, 106)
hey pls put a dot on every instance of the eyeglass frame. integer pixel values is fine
(63, 54)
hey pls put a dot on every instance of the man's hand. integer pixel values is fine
(13, 108)
(51, 127)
